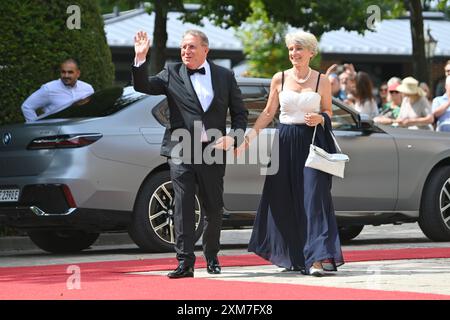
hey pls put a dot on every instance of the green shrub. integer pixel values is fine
(35, 38)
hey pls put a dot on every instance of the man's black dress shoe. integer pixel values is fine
(213, 266)
(293, 269)
(181, 272)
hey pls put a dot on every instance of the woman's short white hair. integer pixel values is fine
(394, 80)
(305, 39)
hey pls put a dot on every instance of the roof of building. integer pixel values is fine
(120, 30)
(391, 37)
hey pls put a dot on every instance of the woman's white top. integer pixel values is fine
(368, 108)
(294, 105)
(420, 108)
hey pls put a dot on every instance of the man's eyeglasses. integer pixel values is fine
(447, 71)
(394, 92)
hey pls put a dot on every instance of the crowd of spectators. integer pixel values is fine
(399, 102)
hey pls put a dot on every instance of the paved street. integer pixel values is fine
(380, 277)
(421, 276)
(120, 247)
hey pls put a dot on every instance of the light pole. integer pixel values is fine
(430, 48)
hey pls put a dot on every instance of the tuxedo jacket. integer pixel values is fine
(184, 105)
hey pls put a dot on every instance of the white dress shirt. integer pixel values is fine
(202, 84)
(54, 96)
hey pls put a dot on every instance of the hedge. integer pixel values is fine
(35, 38)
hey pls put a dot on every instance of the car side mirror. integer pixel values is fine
(365, 123)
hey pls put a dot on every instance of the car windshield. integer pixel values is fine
(100, 104)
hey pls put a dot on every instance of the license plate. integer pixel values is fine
(9, 195)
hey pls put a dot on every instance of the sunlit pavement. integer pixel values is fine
(421, 275)
(402, 277)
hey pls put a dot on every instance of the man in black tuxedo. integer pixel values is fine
(198, 92)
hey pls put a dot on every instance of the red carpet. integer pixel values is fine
(108, 280)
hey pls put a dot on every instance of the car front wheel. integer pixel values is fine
(434, 219)
(62, 241)
(152, 227)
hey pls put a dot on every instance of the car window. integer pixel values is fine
(100, 104)
(342, 119)
(255, 100)
(254, 97)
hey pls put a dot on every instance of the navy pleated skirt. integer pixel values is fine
(295, 224)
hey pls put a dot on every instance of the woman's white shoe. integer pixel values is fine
(316, 272)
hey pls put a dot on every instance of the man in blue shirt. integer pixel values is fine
(441, 109)
(58, 94)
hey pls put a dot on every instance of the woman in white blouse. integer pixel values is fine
(365, 102)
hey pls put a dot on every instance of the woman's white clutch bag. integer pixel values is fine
(332, 163)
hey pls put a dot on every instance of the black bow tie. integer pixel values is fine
(193, 71)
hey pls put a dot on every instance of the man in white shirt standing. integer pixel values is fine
(58, 94)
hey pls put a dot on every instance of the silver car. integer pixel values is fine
(95, 167)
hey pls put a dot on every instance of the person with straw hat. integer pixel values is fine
(415, 110)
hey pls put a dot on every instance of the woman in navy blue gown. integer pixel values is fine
(295, 226)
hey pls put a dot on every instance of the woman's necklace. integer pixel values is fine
(301, 81)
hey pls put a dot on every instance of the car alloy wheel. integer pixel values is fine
(434, 218)
(161, 212)
(444, 203)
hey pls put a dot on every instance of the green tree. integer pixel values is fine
(327, 15)
(263, 33)
(225, 13)
(420, 70)
(159, 39)
(157, 53)
(322, 16)
(420, 64)
(263, 43)
(36, 36)
(108, 6)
